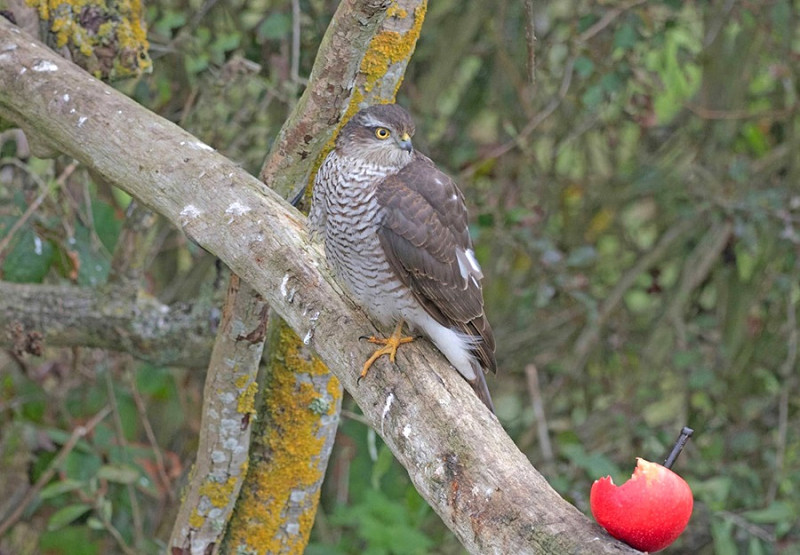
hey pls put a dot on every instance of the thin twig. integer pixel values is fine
(532, 375)
(151, 436)
(744, 524)
(606, 20)
(530, 37)
(709, 113)
(355, 416)
(785, 374)
(530, 127)
(294, 72)
(77, 434)
(111, 529)
(123, 442)
(717, 23)
(31, 208)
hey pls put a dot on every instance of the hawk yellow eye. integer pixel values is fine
(382, 133)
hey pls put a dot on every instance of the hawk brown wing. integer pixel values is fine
(425, 237)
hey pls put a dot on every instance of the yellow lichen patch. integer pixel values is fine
(292, 447)
(396, 11)
(84, 25)
(218, 493)
(196, 521)
(390, 47)
(246, 403)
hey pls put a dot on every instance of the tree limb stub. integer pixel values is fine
(455, 451)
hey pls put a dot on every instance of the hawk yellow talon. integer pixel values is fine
(390, 345)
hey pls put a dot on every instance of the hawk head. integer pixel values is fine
(379, 134)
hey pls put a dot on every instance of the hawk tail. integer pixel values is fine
(478, 384)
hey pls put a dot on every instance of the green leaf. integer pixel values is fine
(123, 199)
(67, 515)
(596, 465)
(722, 532)
(106, 510)
(778, 511)
(275, 27)
(625, 37)
(584, 66)
(756, 547)
(57, 488)
(73, 540)
(593, 96)
(82, 466)
(95, 523)
(120, 473)
(170, 19)
(382, 465)
(714, 492)
(95, 262)
(106, 223)
(611, 82)
(29, 260)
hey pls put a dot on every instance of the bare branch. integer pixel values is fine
(292, 441)
(324, 101)
(109, 318)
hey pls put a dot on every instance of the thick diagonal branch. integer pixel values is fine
(456, 452)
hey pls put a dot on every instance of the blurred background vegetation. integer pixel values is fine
(636, 209)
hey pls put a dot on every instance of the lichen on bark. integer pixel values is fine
(107, 39)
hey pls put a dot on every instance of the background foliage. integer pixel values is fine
(635, 208)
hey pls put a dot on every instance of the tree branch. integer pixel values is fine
(297, 421)
(228, 405)
(108, 318)
(455, 451)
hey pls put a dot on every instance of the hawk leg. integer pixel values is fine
(390, 345)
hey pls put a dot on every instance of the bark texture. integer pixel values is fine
(228, 408)
(455, 451)
(292, 440)
(115, 318)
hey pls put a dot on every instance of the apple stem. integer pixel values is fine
(686, 433)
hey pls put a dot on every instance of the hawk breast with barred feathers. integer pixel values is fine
(396, 236)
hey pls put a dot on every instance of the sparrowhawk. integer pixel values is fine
(396, 236)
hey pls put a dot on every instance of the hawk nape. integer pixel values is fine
(396, 236)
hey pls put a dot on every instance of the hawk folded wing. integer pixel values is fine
(424, 233)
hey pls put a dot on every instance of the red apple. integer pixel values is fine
(648, 512)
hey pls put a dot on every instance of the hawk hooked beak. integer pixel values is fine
(405, 142)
